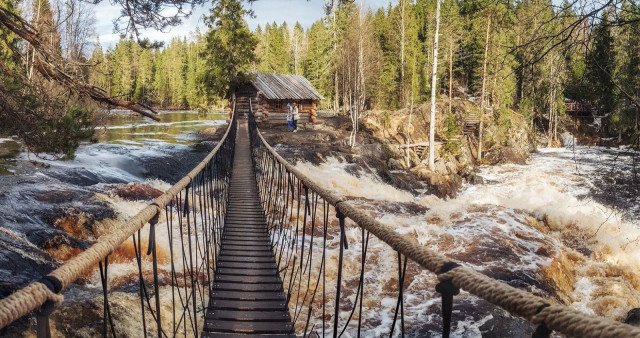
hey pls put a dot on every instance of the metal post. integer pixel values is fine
(42, 319)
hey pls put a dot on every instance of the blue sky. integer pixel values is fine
(303, 11)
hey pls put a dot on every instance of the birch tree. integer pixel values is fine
(434, 74)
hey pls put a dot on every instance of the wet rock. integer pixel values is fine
(503, 155)
(21, 262)
(63, 248)
(633, 317)
(135, 191)
(394, 164)
(476, 179)
(446, 185)
(502, 324)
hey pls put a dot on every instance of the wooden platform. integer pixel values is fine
(248, 298)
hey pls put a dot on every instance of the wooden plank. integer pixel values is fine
(246, 253)
(249, 295)
(241, 247)
(248, 327)
(247, 279)
(247, 287)
(246, 272)
(222, 266)
(249, 305)
(228, 335)
(276, 316)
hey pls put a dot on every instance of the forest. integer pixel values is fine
(508, 57)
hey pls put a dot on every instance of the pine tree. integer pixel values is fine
(231, 48)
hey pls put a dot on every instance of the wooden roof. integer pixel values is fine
(285, 87)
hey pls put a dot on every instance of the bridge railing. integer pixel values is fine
(335, 284)
(175, 244)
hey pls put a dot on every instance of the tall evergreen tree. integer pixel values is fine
(231, 48)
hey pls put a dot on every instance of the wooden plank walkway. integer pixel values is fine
(248, 298)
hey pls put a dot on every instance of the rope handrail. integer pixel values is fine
(542, 312)
(49, 288)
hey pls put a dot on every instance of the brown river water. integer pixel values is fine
(542, 227)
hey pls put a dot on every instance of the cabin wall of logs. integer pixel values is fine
(276, 110)
(269, 95)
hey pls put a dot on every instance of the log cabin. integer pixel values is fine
(270, 93)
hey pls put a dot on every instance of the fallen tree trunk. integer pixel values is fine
(47, 65)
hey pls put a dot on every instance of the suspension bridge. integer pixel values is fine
(246, 244)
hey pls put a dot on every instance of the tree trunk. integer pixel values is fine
(484, 87)
(336, 103)
(402, 48)
(432, 121)
(413, 81)
(450, 74)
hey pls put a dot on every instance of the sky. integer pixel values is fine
(266, 11)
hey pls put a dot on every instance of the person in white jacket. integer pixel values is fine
(296, 117)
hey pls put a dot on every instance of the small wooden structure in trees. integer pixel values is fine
(270, 93)
(580, 109)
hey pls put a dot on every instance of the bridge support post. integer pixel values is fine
(447, 290)
(343, 245)
(43, 328)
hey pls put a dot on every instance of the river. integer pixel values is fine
(563, 226)
(49, 210)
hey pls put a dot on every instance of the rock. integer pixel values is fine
(208, 132)
(135, 191)
(542, 140)
(424, 173)
(504, 155)
(440, 167)
(452, 165)
(448, 185)
(633, 317)
(477, 179)
(436, 179)
(394, 164)
(567, 139)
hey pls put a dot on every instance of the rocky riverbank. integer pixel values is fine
(380, 148)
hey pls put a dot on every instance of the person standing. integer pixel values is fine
(289, 117)
(296, 117)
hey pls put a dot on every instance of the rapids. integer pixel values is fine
(558, 227)
(563, 226)
(52, 210)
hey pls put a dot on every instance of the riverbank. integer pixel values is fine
(381, 147)
(541, 223)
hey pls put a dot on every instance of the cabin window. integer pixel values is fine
(278, 105)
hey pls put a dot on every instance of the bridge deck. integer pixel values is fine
(248, 298)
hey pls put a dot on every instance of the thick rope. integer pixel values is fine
(518, 302)
(36, 294)
(24, 301)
